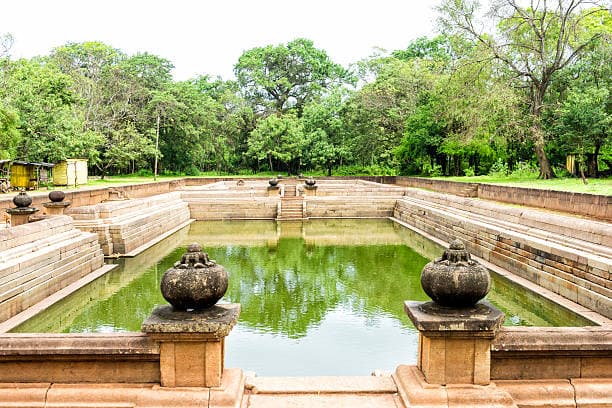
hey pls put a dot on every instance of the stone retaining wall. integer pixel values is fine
(40, 258)
(558, 259)
(232, 208)
(592, 205)
(350, 207)
(599, 206)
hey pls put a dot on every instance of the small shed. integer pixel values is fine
(70, 172)
(27, 175)
(23, 175)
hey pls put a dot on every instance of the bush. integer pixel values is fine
(144, 173)
(373, 170)
(435, 171)
(192, 171)
(499, 168)
(524, 170)
(469, 172)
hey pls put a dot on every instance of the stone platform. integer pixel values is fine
(123, 226)
(405, 389)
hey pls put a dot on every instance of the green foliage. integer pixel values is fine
(278, 138)
(499, 168)
(459, 103)
(283, 77)
(525, 170)
(373, 170)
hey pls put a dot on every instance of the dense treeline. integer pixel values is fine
(521, 97)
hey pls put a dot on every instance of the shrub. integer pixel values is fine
(469, 172)
(499, 168)
(524, 170)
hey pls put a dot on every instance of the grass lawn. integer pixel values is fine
(594, 186)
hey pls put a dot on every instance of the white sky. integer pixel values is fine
(208, 37)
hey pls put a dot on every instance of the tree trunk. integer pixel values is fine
(593, 166)
(546, 171)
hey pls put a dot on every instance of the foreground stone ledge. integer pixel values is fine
(122, 344)
(107, 395)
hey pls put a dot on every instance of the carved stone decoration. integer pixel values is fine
(57, 196)
(273, 181)
(455, 280)
(195, 282)
(22, 200)
(310, 182)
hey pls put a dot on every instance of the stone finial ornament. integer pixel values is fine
(455, 280)
(310, 182)
(195, 282)
(57, 196)
(22, 200)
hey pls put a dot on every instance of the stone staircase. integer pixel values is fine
(40, 258)
(291, 205)
(567, 255)
(126, 226)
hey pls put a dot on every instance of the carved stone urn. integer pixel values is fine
(195, 282)
(273, 182)
(455, 280)
(22, 200)
(310, 182)
(57, 196)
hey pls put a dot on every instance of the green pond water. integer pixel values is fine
(323, 297)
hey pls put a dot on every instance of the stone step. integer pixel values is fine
(305, 392)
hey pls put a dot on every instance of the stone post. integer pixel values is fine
(273, 188)
(310, 188)
(57, 205)
(192, 330)
(192, 343)
(456, 329)
(22, 211)
(455, 345)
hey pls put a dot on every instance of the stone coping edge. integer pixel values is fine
(544, 339)
(57, 344)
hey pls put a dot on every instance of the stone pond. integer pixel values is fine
(295, 320)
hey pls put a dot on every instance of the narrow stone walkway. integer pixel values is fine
(336, 392)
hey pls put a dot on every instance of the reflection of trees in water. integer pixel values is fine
(131, 304)
(290, 288)
(284, 289)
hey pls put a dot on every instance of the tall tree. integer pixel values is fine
(42, 97)
(532, 42)
(324, 129)
(282, 77)
(278, 138)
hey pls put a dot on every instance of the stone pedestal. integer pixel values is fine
(20, 215)
(310, 191)
(56, 208)
(192, 343)
(455, 344)
(273, 191)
